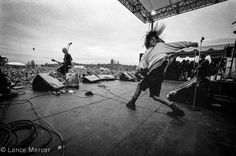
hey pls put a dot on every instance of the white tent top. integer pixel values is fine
(144, 9)
(218, 44)
(102, 68)
(15, 64)
(221, 41)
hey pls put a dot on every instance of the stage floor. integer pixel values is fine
(102, 125)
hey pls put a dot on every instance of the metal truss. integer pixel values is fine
(171, 10)
(137, 9)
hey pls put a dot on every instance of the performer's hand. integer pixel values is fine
(143, 72)
(139, 75)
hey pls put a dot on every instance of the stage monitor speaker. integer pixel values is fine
(91, 79)
(45, 82)
(72, 80)
(127, 76)
(106, 77)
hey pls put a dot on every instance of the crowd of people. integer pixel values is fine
(185, 70)
(179, 71)
(22, 76)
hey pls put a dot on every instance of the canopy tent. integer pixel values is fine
(214, 48)
(153, 10)
(104, 69)
(16, 64)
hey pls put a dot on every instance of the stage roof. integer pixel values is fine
(164, 8)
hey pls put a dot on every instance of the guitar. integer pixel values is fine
(61, 63)
(56, 61)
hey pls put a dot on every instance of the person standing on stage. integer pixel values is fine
(67, 64)
(153, 65)
(203, 68)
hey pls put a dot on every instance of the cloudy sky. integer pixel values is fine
(99, 29)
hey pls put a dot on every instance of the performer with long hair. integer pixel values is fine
(67, 64)
(153, 65)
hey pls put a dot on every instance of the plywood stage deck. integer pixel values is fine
(102, 125)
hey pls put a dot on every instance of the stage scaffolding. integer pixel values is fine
(143, 9)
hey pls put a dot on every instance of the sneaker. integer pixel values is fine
(131, 105)
(176, 111)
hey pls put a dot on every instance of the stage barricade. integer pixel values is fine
(185, 93)
(209, 93)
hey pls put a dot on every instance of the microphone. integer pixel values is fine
(202, 39)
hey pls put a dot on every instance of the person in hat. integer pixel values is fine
(153, 65)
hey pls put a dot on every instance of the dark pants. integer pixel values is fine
(63, 69)
(154, 80)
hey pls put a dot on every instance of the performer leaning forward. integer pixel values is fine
(153, 65)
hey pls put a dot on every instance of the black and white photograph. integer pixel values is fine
(118, 77)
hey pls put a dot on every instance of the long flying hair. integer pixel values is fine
(156, 32)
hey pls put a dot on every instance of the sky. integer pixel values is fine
(99, 30)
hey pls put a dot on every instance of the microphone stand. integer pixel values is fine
(197, 79)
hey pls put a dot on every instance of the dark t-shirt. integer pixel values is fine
(63, 69)
(67, 60)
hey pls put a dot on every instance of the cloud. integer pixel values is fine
(99, 30)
